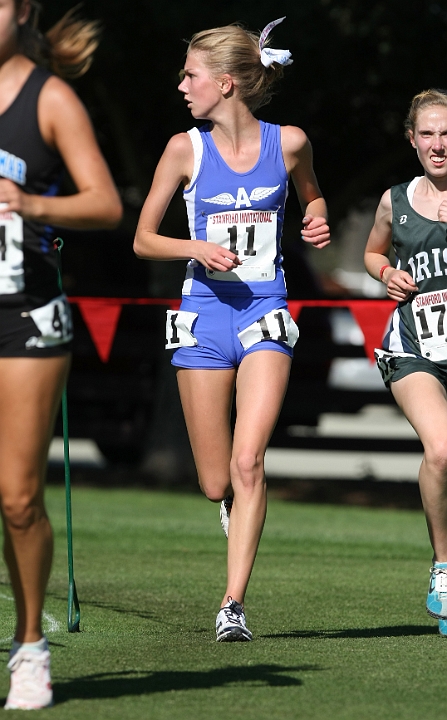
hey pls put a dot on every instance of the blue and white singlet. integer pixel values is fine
(243, 212)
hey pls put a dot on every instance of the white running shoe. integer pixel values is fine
(30, 681)
(225, 510)
(230, 623)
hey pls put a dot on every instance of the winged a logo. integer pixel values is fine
(256, 195)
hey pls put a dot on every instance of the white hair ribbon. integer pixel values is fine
(268, 55)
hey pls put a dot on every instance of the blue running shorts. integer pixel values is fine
(217, 333)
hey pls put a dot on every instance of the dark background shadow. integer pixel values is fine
(114, 685)
(376, 632)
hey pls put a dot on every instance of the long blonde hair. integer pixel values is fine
(424, 99)
(232, 49)
(66, 49)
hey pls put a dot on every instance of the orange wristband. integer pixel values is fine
(382, 270)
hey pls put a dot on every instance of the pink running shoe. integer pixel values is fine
(30, 681)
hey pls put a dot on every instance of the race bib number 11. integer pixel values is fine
(179, 329)
(251, 235)
(276, 325)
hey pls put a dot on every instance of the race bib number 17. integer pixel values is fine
(429, 312)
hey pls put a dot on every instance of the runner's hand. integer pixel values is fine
(217, 258)
(316, 231)
(17, 201)
(399, 284)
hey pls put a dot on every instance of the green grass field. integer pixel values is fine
(336, 606)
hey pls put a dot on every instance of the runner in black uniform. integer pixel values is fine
(28, 273)
(43, 126)
(413, 360)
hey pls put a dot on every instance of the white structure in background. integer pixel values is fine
(83, 451)
(342, 465)
(350, 239)
(351, 373)
(373, 421)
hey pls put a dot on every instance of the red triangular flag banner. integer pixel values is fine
(101, 318)
(294, 308)
(372, 320)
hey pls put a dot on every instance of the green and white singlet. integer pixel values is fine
(419, 325)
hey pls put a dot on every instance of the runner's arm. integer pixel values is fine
(297, 152)
(175, 168)
(66, 127)
(400, 284)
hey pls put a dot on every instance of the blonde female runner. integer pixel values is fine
(233, 333)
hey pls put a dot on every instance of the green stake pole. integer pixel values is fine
(73, 602)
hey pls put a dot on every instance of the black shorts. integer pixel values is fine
(394, 367)
(41, 332)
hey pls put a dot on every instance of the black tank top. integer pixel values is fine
(28, 269)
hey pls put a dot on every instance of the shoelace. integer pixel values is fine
(234, 612)
(438, 570)
(33, 658)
